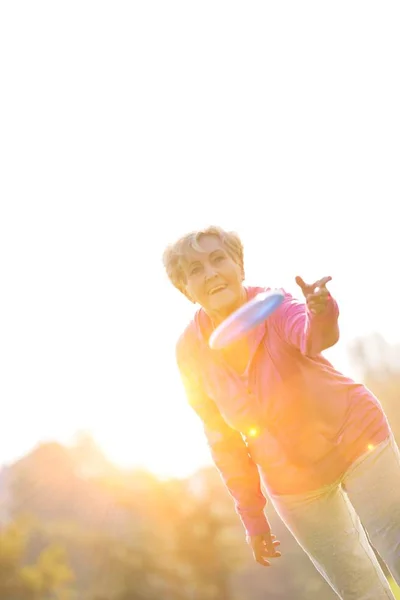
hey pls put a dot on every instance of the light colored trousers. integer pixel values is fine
(327, 525)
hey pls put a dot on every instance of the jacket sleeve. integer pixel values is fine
(228, 450)
(308, 332)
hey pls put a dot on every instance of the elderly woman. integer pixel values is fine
(275, 410)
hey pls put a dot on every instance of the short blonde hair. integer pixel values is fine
(174, 253)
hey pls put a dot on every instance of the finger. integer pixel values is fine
(317, 299)
(260, 555)
(269, 547)
(263, 556)
(274, 553)
(322, 282)
(301, 283)
(264, 548)
(262, 561)
(266, 555)
(318, 293)
(270, 544)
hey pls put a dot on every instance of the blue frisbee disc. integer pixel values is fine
(245, 318)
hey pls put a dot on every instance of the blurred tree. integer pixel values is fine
(49, 577)
(130, 536)
(206, 552)
(379, 365)
(49, 484)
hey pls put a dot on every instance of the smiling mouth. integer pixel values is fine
(217, 289)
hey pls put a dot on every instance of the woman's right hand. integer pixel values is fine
(264, 547)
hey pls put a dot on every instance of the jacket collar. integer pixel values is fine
(204, 327)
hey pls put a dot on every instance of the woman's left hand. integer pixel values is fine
(316, 294)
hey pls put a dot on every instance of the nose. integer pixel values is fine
(209, 272)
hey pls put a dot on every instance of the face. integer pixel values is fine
(213, 279)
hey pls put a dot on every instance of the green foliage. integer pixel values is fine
(48, 577)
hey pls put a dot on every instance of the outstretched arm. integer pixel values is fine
(311, 326)
(228, 450)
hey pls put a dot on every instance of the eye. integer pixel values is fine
(219, 258)
(195, 270)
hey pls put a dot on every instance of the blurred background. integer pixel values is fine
(122, 126)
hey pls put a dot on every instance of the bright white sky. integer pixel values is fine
(123, 125)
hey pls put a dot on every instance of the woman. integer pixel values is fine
(273, 406)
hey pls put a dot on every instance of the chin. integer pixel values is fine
(225, 304)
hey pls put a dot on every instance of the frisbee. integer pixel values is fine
(245, 318)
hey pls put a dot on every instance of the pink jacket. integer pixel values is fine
(294, 419)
